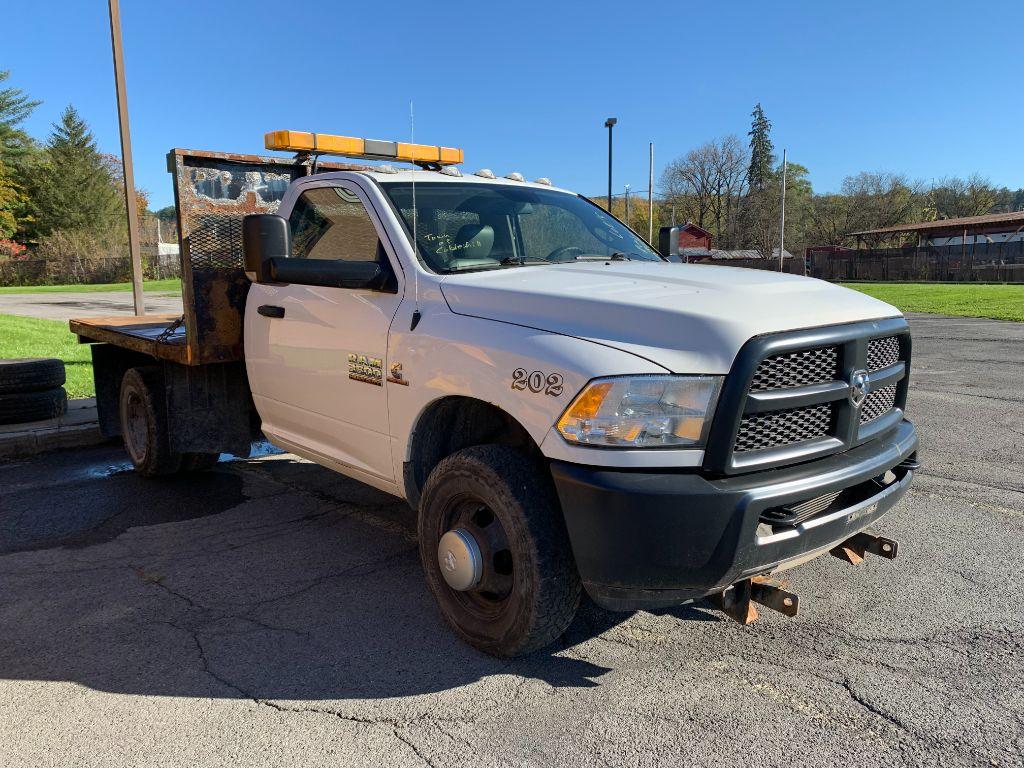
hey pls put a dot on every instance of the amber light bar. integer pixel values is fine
(367, 149)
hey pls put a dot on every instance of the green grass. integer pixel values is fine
(171, 285)
(999, 302)
(30, 337)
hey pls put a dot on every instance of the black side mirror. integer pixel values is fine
(668, 243)
(264, 237)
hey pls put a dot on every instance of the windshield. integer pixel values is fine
(470, 226)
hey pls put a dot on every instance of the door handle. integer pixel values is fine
(269, 310)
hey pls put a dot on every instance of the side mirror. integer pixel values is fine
(668, 243)
(264, 237)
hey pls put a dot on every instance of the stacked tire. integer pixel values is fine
(32, 390)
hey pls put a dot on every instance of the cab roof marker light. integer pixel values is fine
(450, 170)
(364, 149)
(515, 176)
(386, 169)
(485, 173)
(543, 180)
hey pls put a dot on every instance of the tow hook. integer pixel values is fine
(854, 548)
(738, 601)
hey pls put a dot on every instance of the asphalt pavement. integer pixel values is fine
(64, 306)
(273, 613)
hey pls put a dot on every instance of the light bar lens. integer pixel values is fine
(642, 412)
(369, 149)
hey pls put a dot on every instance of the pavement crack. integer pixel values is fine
(877, 711)
(409, 743)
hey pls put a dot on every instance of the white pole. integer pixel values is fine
(650, 196)
(627, 205)
(782, 223)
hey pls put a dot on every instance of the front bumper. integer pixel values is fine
(648, 540)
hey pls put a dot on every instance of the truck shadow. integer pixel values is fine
(278, 580)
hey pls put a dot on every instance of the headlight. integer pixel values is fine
(642, 412)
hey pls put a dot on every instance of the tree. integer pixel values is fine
(954, 197)
(12, 203)
(73, 188)
(705, 185)
(762, 158)
(15, 107)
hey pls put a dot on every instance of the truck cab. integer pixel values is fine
(563, 408)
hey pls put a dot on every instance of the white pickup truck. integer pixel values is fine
(563, 408)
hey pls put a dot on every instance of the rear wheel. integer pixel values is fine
(495, 551)
(144, 422)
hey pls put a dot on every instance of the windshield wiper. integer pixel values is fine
(518, 261)
(616, 256)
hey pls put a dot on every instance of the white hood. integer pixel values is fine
(688, 318)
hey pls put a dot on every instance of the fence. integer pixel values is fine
(111, 269)
(981, 262)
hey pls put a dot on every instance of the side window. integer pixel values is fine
(331, 223)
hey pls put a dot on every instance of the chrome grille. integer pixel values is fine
(779, 428)
(796, 369)
(878, 403)
(883, 352)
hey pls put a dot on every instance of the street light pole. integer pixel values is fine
(131, 205)
(609, 124)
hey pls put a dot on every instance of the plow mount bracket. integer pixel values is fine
(739, 602)
(854, 548)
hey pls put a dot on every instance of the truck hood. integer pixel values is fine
(688, 318)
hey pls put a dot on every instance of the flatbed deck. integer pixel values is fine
(162, 336)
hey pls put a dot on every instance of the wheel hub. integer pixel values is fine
(460, 561)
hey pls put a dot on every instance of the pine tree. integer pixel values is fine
(73, 187)
(15, 106)
(762, 159)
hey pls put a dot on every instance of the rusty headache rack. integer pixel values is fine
(213, 191)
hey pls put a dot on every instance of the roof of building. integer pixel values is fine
(717, 254)
(1013, 218)
(691, 225)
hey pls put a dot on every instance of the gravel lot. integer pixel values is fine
(272, 613)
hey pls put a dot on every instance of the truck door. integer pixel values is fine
(316, 356)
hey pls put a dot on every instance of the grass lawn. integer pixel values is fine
(999, 302)
(171, 285)
(29, 337)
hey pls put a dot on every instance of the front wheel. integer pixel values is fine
(496, 552)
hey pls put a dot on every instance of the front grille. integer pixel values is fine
(790, 396)
(878, 403)
(796, 369)
(883, 352)
(779, 428)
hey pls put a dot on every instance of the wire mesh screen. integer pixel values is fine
(216, 242)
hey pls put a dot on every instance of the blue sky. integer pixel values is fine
(925, 88)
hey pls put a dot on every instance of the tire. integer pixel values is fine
(508, 614)
(30, 375)
(198, 462)
(26, 407)
(143, 411)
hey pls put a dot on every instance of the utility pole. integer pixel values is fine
(782, 222)
(627, 205)
(130, 203)
(609, 124)
(650, 195)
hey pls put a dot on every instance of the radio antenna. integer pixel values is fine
(415, 225)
